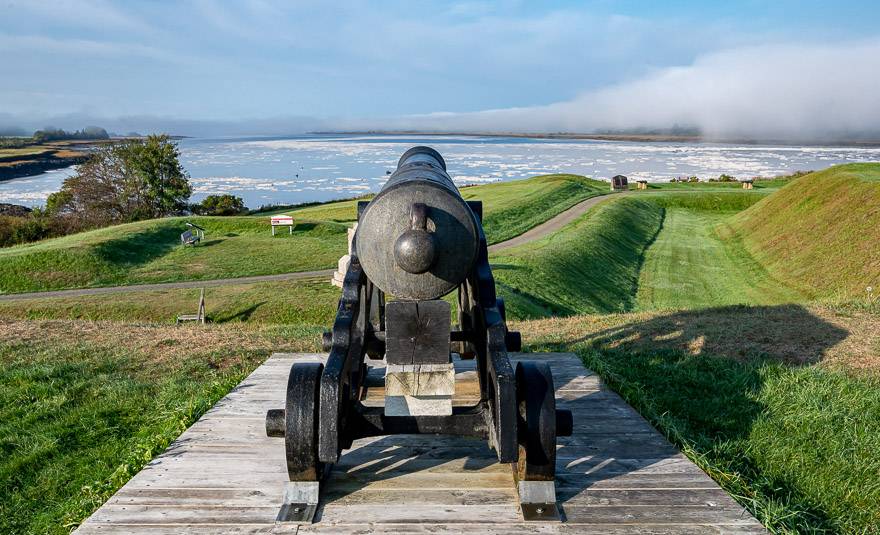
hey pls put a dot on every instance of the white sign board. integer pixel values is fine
(281, 221)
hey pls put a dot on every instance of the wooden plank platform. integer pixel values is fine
(615, 475)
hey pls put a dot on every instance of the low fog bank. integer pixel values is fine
(784, 92)
(779, 92)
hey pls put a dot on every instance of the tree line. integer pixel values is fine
(57, 134)
(122, 182)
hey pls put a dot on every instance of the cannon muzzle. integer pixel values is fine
(418, 238)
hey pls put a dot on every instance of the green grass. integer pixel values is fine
(690, 266)
(311, 303)
(647, 251)
(589, 266)
(150, 251)
(820, 232)
(511, 208)
(84, 406)
(705, 186)
(744, 392)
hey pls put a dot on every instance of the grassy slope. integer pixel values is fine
(84, 406)
(511, 208)
(690, 266)
(780, 404)
(150, 251)
(594, 265)
(820, 232)
(591, 265)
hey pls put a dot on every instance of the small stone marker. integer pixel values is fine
(282, 221)
(344, 260)
(748, 183)
(642, 184)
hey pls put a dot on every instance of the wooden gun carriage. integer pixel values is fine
(418, 240)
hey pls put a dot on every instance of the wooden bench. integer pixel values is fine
(200, 316)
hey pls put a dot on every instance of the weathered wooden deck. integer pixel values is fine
(616, 475)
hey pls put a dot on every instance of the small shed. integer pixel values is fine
(642, 184)
(619, 182)
(748, 183)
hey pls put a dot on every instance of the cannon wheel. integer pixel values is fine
(536, 433)
(301, 421)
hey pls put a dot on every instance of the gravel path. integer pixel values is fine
(551, 225)
(554, 223)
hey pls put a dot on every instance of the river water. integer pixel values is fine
(323, 167)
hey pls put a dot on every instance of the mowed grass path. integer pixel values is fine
(690, 266)
(653, 250)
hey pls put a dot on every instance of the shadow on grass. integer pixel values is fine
(711, 381)
(785, 333)
(242, 315)
(304, 227)
(139, 248)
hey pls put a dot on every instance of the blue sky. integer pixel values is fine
(277, 66)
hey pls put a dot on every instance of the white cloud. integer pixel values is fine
(786, 91)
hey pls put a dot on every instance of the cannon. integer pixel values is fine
(417, 241)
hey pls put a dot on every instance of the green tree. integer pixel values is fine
(127, 181)
(162, 186)
(221, 205)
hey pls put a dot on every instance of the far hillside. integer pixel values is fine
(820, 233)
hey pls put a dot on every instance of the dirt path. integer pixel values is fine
(170, 285)
(551, 225)
(554, 223)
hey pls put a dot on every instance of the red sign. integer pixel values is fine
(282, 220)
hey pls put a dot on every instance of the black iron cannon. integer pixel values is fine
(417, 241)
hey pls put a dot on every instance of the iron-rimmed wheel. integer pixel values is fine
(536, 422)
(301, 421)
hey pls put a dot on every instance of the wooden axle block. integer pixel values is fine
(417, 332)
(419, 389)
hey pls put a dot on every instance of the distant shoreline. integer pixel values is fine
(38, 167)
(38, 158)
(639, 138)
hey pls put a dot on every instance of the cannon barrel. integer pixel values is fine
(418, 238)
